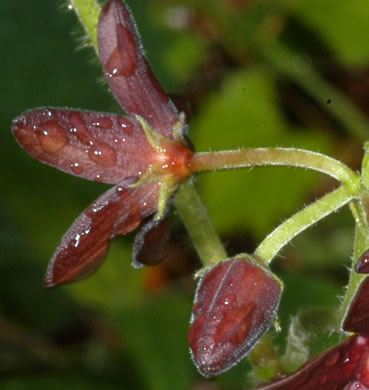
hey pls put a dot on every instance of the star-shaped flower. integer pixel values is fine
(144, 154)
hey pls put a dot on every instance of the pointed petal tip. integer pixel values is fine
(49, 284)
(50, 279)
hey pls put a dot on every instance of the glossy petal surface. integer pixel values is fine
(151, 242)
(357, 318)
(96, 146)
(127, 71)
(235, 304)
(344, 367)
(82, 249)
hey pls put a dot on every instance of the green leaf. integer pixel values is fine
(245, 114)
(342, 24)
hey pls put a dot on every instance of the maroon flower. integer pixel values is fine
(235, 304)
(344, 367)
(144, 154)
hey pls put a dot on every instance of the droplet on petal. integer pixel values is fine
(103, 122)
(103, 155)
(123, 60)
(125, 125)
(76, 168)
(79, 128)
(235, 304)
(51, 137)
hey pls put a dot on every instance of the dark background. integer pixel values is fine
(124, 328)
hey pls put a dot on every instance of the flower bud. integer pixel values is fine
(235, 304)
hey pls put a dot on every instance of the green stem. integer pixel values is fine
(88, 12)
(188, 204)
(198, 225)
(291, 65)
(308, 216)
(273, 156)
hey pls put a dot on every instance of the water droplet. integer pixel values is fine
(103, 122)
(79, 129)
(103, 155)
(323, 379)
(125, 125)
(123, 59)
(98, 178)
(51, 137)
(347, 360)
(76, 168)
(227, 300)
(332, 359)
(77, 239)
(47, 113)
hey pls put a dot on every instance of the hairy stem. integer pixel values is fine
(273, 156)
(198, 225)
(88, 12)
(303, 219)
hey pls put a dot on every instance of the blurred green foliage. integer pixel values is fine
(124, 328)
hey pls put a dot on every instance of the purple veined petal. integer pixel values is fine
(151, 242)
(357, 317)
(340, 368)
(127, 71)
(96, 146)
(84, 246)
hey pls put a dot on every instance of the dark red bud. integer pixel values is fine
(235, 304)
(362, 265)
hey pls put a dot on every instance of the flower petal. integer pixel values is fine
(338, 368)
(127, 71)
(96, 146)
(82, 249)
(357, 318)
(151, 242)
